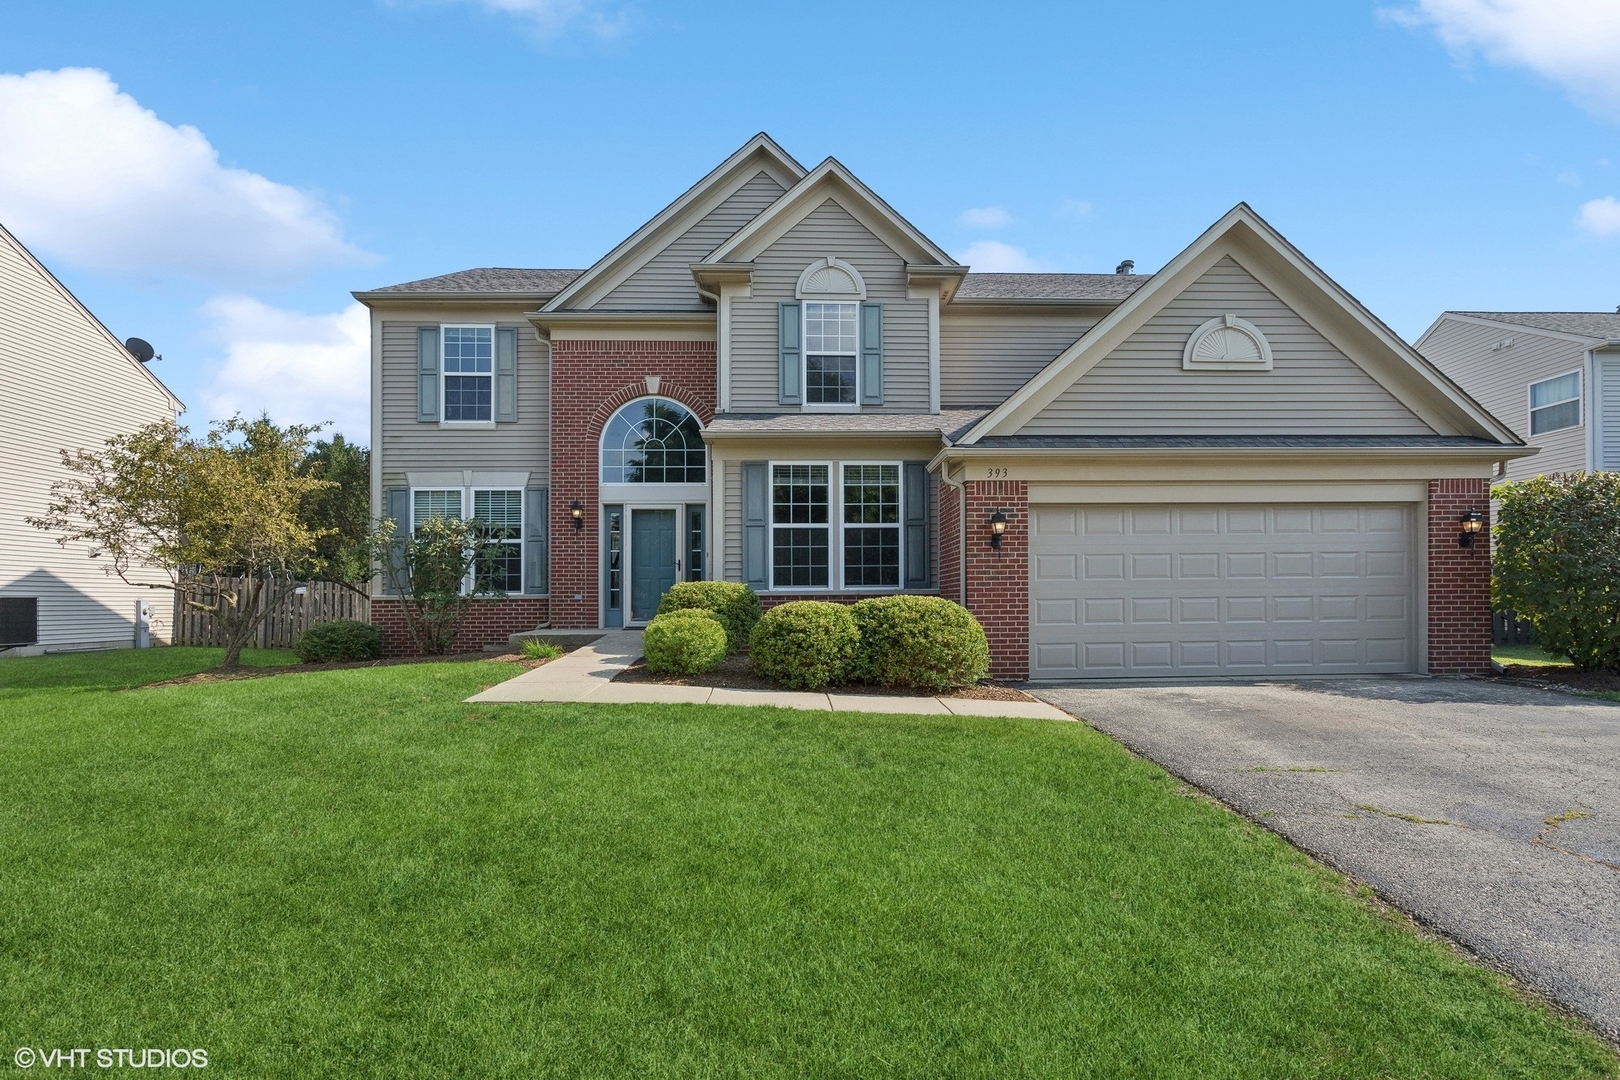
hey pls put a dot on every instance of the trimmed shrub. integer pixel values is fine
(340, 639)
(923, 643)
(736, 606)
(806, 644)
(1557, 563)
(685, 642)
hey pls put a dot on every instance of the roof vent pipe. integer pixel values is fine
(1125, 267)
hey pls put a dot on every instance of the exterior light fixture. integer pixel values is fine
(998, 526)
(577, 512)
(1469, 526)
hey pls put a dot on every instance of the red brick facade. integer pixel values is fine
(998, 579)
(949, 571)
(1459, 581)
(489, 621)
(590, 380)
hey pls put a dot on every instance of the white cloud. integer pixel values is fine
(299, 368)
(553, 17)
(985, 217)
(1575, 43)
(994, 257)
(1074, 208)
(91, 177)
(1601, 217)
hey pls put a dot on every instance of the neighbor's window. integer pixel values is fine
(830, 344)
(469, 380)
(799, 525)
(501, 513)
(871, 526)
(434, 502)
(1555, 404)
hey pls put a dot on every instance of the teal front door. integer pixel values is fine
(654, 535)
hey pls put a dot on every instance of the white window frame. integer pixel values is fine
(834, 505)
(444, 373)
(899, 530)
(472, 505)
(1531, 409)
(804, 359)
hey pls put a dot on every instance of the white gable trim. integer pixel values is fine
(1276, 264)
(759, 154)
(830, 180)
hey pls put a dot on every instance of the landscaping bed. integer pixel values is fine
(734, 674)
(1565, 677)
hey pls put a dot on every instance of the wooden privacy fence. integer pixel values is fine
(320, 601)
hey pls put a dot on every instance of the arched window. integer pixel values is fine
(653, 441)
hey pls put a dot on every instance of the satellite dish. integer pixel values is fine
(140, 350)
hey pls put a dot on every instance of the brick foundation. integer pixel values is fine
(590, 381)
(998, 579)
(1459, 581)
(488, 621)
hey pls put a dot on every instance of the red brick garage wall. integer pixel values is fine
(1459, 581)
(489, 621)
(590, 381)
(998, 579)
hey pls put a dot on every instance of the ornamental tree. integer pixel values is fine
(437, 571)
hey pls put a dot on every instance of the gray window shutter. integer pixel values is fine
(871, 354)
(536, 534)
(790, 364)
(427, 374)
(397, 505)
(916, 503)
(756, 524)
(505, 373)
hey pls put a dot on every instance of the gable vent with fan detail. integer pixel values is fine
(1227, 343)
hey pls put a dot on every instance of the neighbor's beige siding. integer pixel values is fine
(409, 445)
(984, 358)
(63, 386)
(1140, 387)
(1500, 379)
(829, 230)
(665, 282)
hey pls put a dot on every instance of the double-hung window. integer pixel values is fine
(500, 565)
(800, 495)
(434, 502)
(871, 526)
(469, 374)
(831, 352)
(1555, 404)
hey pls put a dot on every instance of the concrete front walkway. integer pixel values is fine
(586, 674)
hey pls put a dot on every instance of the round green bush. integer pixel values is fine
(736, 606)
(923, 643)
(685, 642)
(340, 639)
(806, 644)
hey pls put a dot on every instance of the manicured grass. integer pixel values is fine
(1527, 654)
(117, 669)
(353, 873)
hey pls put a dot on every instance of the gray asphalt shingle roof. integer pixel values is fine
(489, 279)
(1050, 286)
(1592, 324)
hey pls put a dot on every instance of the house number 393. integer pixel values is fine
(995, 474)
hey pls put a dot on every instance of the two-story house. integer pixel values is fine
(1552, 376)
(1227, 467)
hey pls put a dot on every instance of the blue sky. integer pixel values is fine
(256, 162)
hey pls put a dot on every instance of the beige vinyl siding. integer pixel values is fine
(984, 358)
(1500, 379)
(829, 230)
(730, 479)
(1606, 402)
(665, 282)
(408, 444)
(1141, 388)
(63, 386)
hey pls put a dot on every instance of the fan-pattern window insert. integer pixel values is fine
(653, 441)
(1227, 343)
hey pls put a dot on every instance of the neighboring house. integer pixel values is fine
(1227, 467)
(1552, 376)
(65, 384)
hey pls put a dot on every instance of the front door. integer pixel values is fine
(653, 542)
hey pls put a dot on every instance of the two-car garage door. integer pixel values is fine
(1153, 591)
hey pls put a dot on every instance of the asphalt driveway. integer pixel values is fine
(1490, 812)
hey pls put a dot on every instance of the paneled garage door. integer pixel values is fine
(1148, 591)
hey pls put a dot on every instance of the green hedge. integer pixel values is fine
(341, 639)
(806, 644)
(736, 606)
(685, 642)
(923, 643)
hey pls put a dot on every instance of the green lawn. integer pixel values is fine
(354, 874)
(1526, 654)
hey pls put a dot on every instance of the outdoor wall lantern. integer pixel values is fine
(998, 526)
(1469, 526)
(577, 512)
